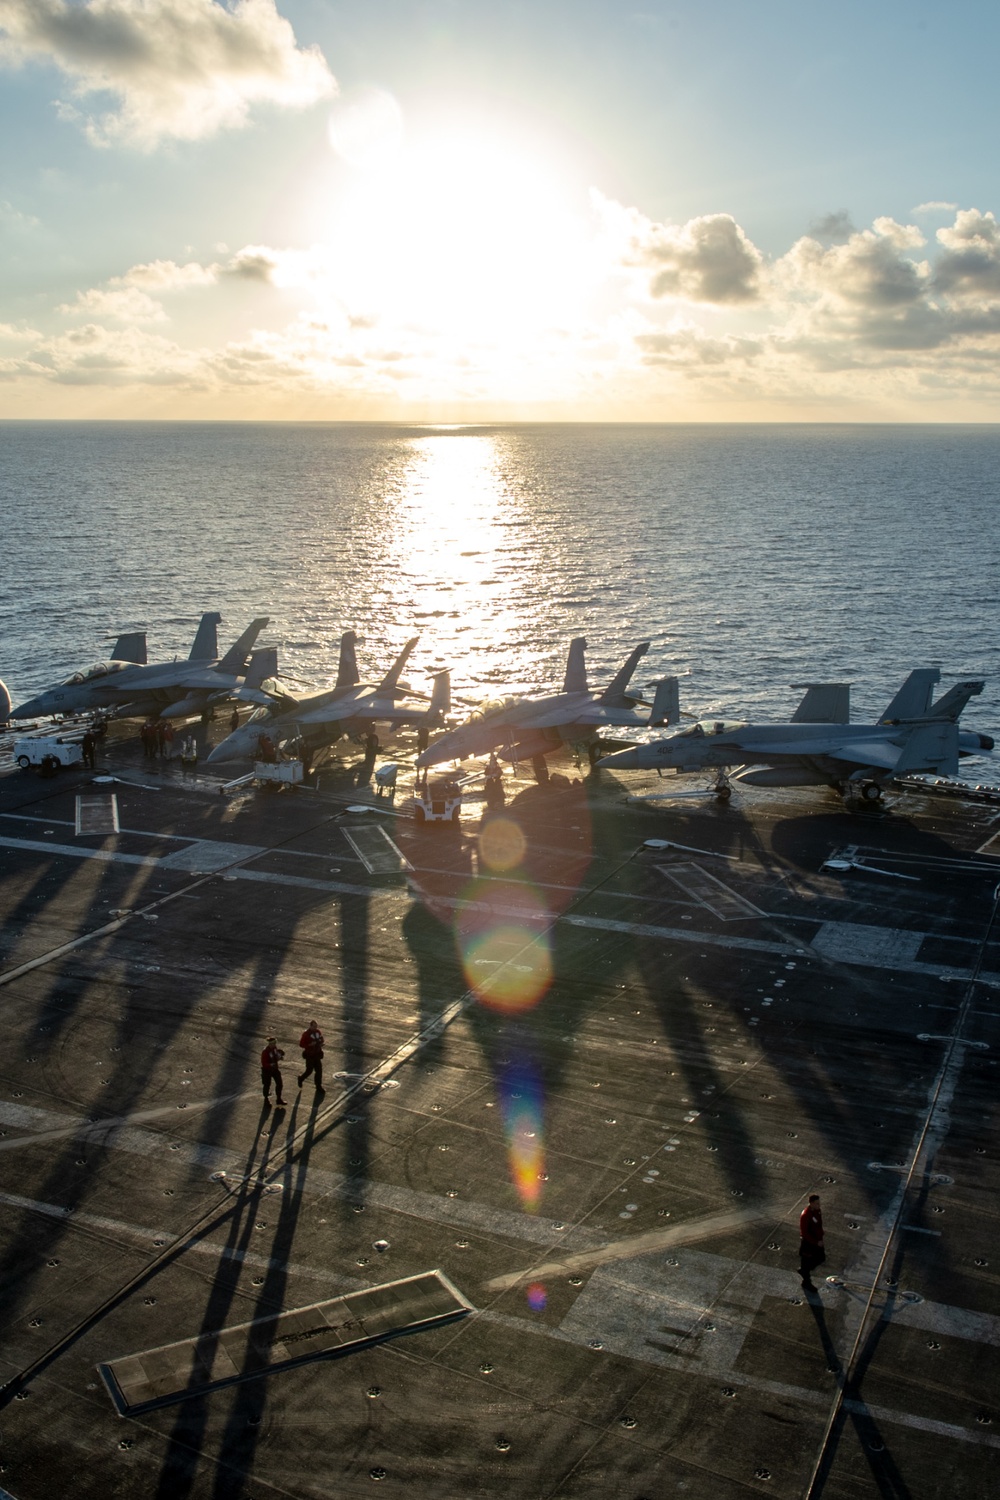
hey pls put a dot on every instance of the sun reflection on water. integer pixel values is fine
(452, 538)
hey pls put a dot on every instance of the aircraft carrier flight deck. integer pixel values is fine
(539, 1236)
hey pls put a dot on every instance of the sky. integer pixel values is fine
(452, 210)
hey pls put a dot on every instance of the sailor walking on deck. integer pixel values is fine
(811, 1252)
(271, 1073)
(311, 1042)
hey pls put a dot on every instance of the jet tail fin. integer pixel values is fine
(347, 671)
(206, 642)
(575, 680)
(235, 659)
(666, 707)
(390, 680)
(950, 706)
(441, 694)
(614, 694)
(930, 748)
(263, 663)
(131, 647)
(824, 703)
(913, 700)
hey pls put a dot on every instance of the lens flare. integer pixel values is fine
(537, 1296)
(501, 845)
(506, 953)
(521, 1102)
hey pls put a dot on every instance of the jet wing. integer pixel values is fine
(334, 712)
(564, 714)
(930, 747)
(882, 754)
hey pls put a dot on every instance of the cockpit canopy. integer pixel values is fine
(706, 727)
(99, 669)
(491, 708)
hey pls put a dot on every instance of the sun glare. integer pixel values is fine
(459, 229)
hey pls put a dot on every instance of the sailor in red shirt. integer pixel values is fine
(811, 1252)
(271, 1073)
(311, 1042)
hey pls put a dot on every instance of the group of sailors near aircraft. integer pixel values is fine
(817, 746)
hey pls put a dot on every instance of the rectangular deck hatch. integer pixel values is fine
(376, 851)
(703, 887)
(97, 814)
(192, 1367)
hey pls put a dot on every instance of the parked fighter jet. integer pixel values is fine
(311, 723)
(173, 690)
(521, 729)
(912, 736)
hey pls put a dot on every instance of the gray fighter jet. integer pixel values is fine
(818, 748)
(174, 690)
(529, 729)
(308, 724)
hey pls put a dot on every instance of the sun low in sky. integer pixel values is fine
(444, 212)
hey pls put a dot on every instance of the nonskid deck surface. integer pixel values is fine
(588, 1081)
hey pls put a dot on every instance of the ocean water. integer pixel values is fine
(751, 557)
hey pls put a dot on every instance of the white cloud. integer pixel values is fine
(685, 345)
(935, 206)
(126, 304)
(708, 259)
(281, 268)
(166, 276)
(180, 69)
(14, 221)
(871, 268)
(127, 297)
(970, 266)
(10, 333)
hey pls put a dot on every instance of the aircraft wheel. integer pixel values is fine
(724, 793)
(24, 762)
(871, 791)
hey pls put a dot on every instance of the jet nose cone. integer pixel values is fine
(32, 709)
(621, 760)
(231, 748)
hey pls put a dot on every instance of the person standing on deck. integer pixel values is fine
(311, 1042)
(811, 1252)
(271, 1073)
